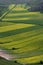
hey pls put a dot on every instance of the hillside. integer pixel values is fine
(21, 32)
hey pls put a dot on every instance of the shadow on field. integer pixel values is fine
(18, 31)
(18, 38)
(36, 22)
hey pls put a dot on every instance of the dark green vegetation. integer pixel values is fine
(30, 2)
(38, 7)
(6, 62)
(3, 9)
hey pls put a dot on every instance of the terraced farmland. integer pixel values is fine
(21, 32)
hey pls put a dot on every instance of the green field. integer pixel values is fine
(22, 30)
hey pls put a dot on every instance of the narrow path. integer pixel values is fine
(4, 54)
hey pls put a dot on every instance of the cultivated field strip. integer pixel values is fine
(14, 27)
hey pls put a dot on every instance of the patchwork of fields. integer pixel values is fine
(23, 30)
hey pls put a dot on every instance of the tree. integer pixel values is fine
(41, 62)
(15, 61)
(13, 48)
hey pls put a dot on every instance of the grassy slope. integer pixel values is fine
(6, 62)
(27, 38)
